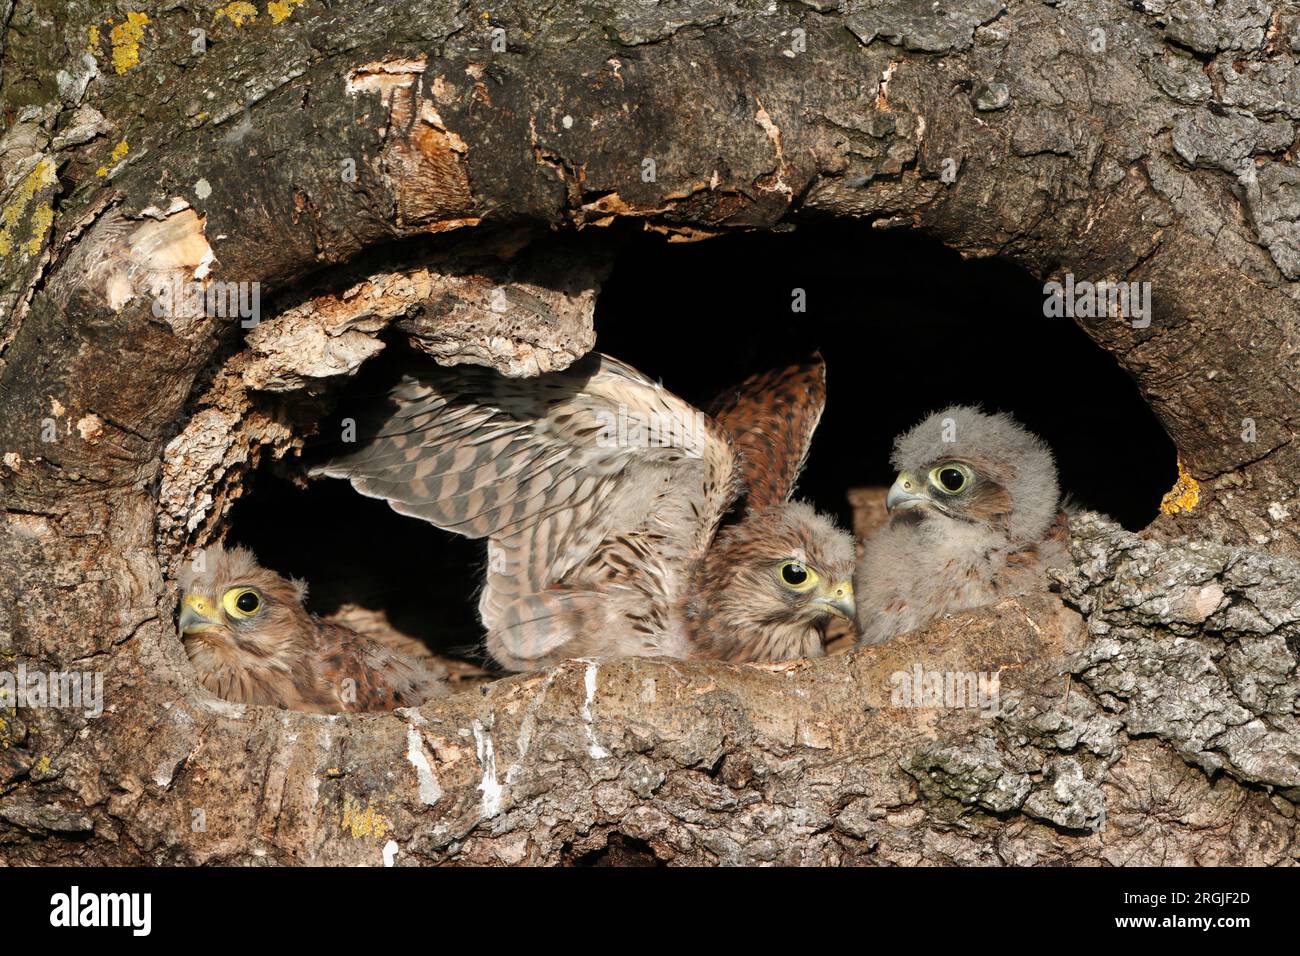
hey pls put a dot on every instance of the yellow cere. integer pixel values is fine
(1185, 494)
(125, 38)
(239, 12)
(41, 177)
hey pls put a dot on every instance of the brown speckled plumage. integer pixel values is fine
(771, 417)
(739, 614)
(282, 656)
(600, 494)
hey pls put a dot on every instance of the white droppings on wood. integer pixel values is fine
(223, 708)
(527, 727)
(596, 751)
(489, 786)
(430, 791)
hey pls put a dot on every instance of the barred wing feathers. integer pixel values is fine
(596, 488)
(771, 417)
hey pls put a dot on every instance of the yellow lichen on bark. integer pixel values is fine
(1184, 495)
(238, 12)
(125, 38)
(361, 823)
(41, 177)
(42, 219)
(119, 151)
(281, 10)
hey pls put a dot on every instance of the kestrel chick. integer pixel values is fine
(975, 517)
(252, 642)
(768, 585)
(601, 495)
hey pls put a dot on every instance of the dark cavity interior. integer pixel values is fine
(905, 325)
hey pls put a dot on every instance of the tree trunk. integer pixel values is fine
(446, 173)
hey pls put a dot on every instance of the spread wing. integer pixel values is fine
(771, 417)
(581, 481)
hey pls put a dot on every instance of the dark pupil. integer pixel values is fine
(952, 479)
(794, 574)
(247, 602)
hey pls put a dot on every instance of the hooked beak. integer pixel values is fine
(197, 615)
(838, 599)
(905, 493)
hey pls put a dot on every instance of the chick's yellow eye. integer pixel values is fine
(952, 478)
(797, 576)
(242, 603)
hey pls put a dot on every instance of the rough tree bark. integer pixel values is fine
(1154, 720)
